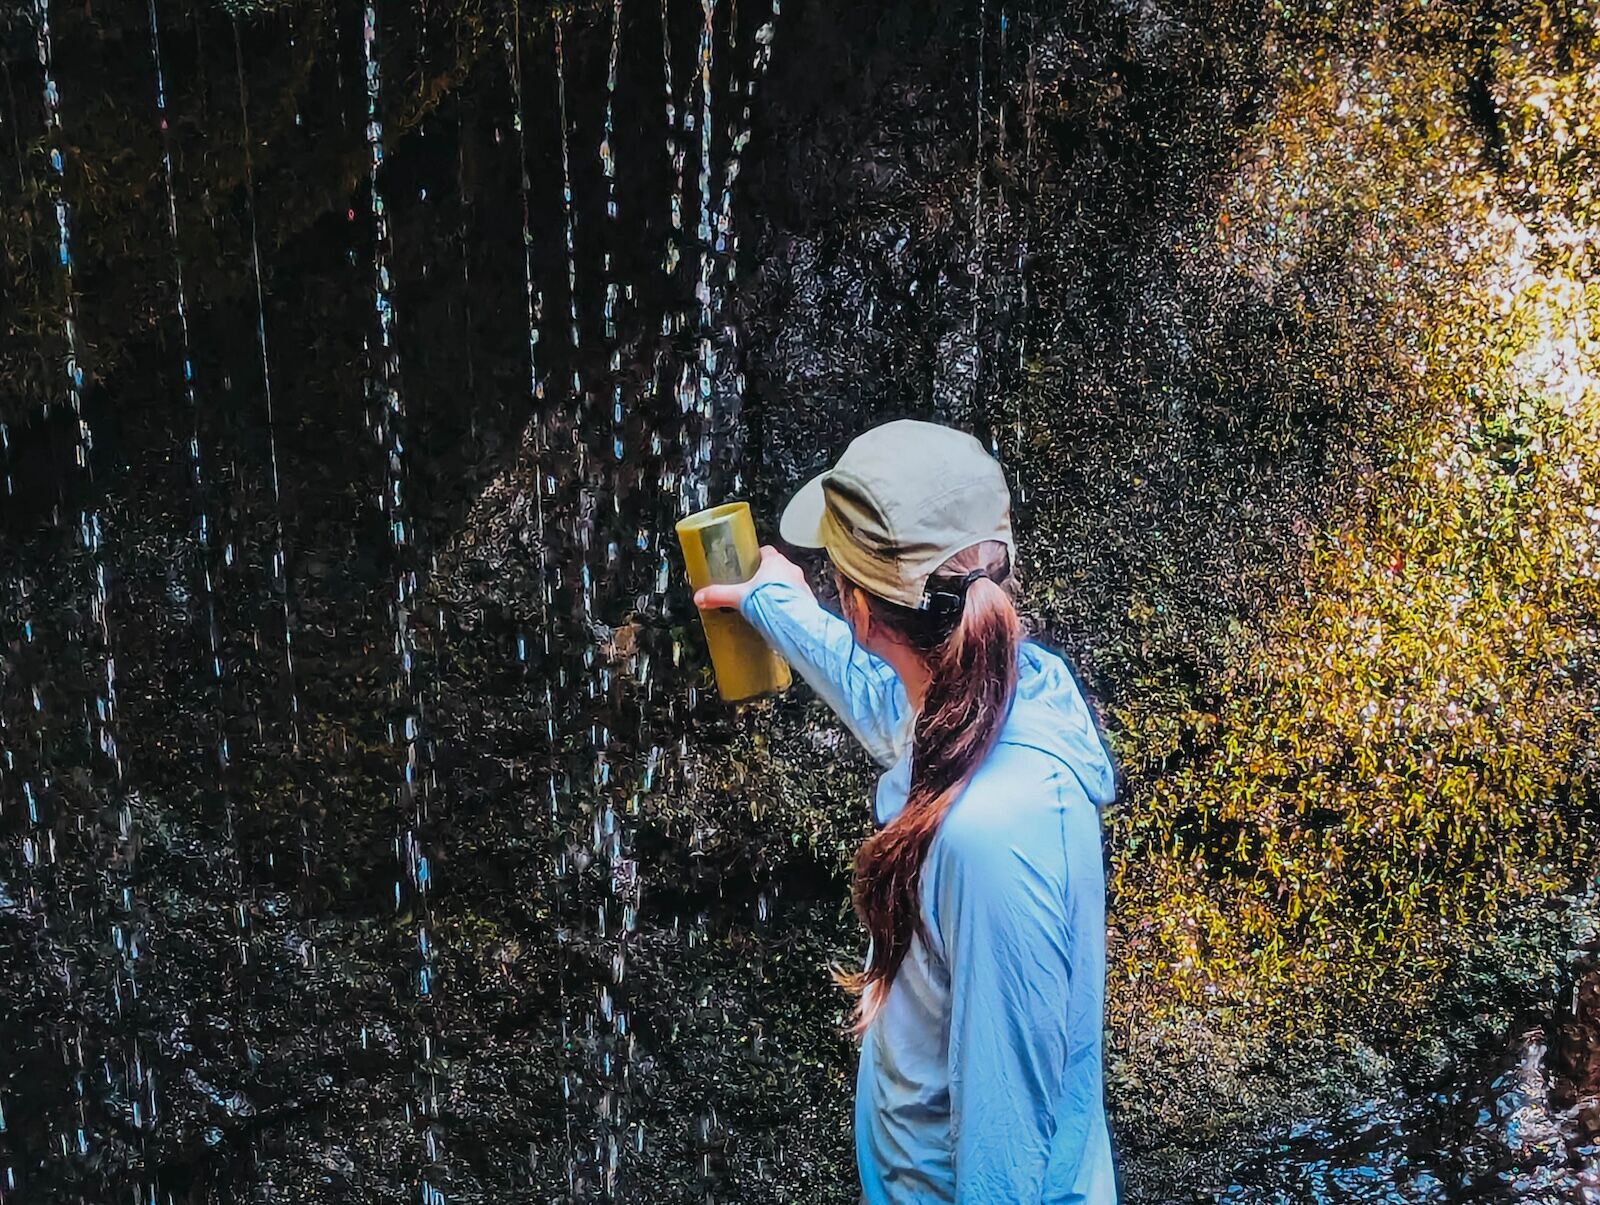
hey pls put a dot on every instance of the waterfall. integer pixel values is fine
(597, 630)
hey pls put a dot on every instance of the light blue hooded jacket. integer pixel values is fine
(980, 1079)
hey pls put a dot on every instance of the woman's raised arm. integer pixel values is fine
(862, 689)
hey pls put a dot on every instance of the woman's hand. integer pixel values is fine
(775, 567)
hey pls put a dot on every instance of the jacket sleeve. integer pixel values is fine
(862, 689)
(1009, 958)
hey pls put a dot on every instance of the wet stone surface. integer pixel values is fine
(370, 829)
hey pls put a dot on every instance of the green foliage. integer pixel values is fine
(1404, 743)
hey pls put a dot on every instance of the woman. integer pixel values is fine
(983, 893)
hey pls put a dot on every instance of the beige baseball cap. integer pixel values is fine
(904, 498)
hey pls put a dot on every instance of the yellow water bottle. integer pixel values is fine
(720, 548)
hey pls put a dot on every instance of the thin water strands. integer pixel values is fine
(1000, 225)
(571, 229)
(686, 482)
(110, 891)
(694, 385)
(708, 9)
(280, 566)
(31, 844)
(586, 1077)
(181, 309)
(673, 255)
(24, 784)
(464, 237)
(718, 245)
(726, 242)
(613, 290)
(1002, 204)
(534, 297)
(541, 685)
(539, 695)
(103, 724)
(387, 416)
(608, 163)
(739, 134)
(22, 180)
(1028, 207)
(1030, 103)
(197, 475)
(609, 838)
(693, 490)
(100, 725)
(675, 155)
(202, 520)
(977, 197)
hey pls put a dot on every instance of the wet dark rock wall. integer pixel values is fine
(425, 863)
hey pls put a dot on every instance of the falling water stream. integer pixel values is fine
(407, 724)
(279, 568)
(107, 899)
(207, 570)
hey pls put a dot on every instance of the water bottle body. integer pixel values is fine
(720, 547)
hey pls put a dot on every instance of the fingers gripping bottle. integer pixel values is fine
(720, 548)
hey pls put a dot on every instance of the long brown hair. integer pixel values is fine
(970, 649)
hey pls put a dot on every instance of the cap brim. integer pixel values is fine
(801, 521)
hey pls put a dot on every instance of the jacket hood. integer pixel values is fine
(1048, 714)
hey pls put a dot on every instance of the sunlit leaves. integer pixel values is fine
(1406, 743)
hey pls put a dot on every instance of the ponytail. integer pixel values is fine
(971, 654)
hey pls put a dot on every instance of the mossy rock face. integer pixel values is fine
(1282, 320)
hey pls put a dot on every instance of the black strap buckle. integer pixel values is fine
(950, 601)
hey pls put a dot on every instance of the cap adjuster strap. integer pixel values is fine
(951, 599)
